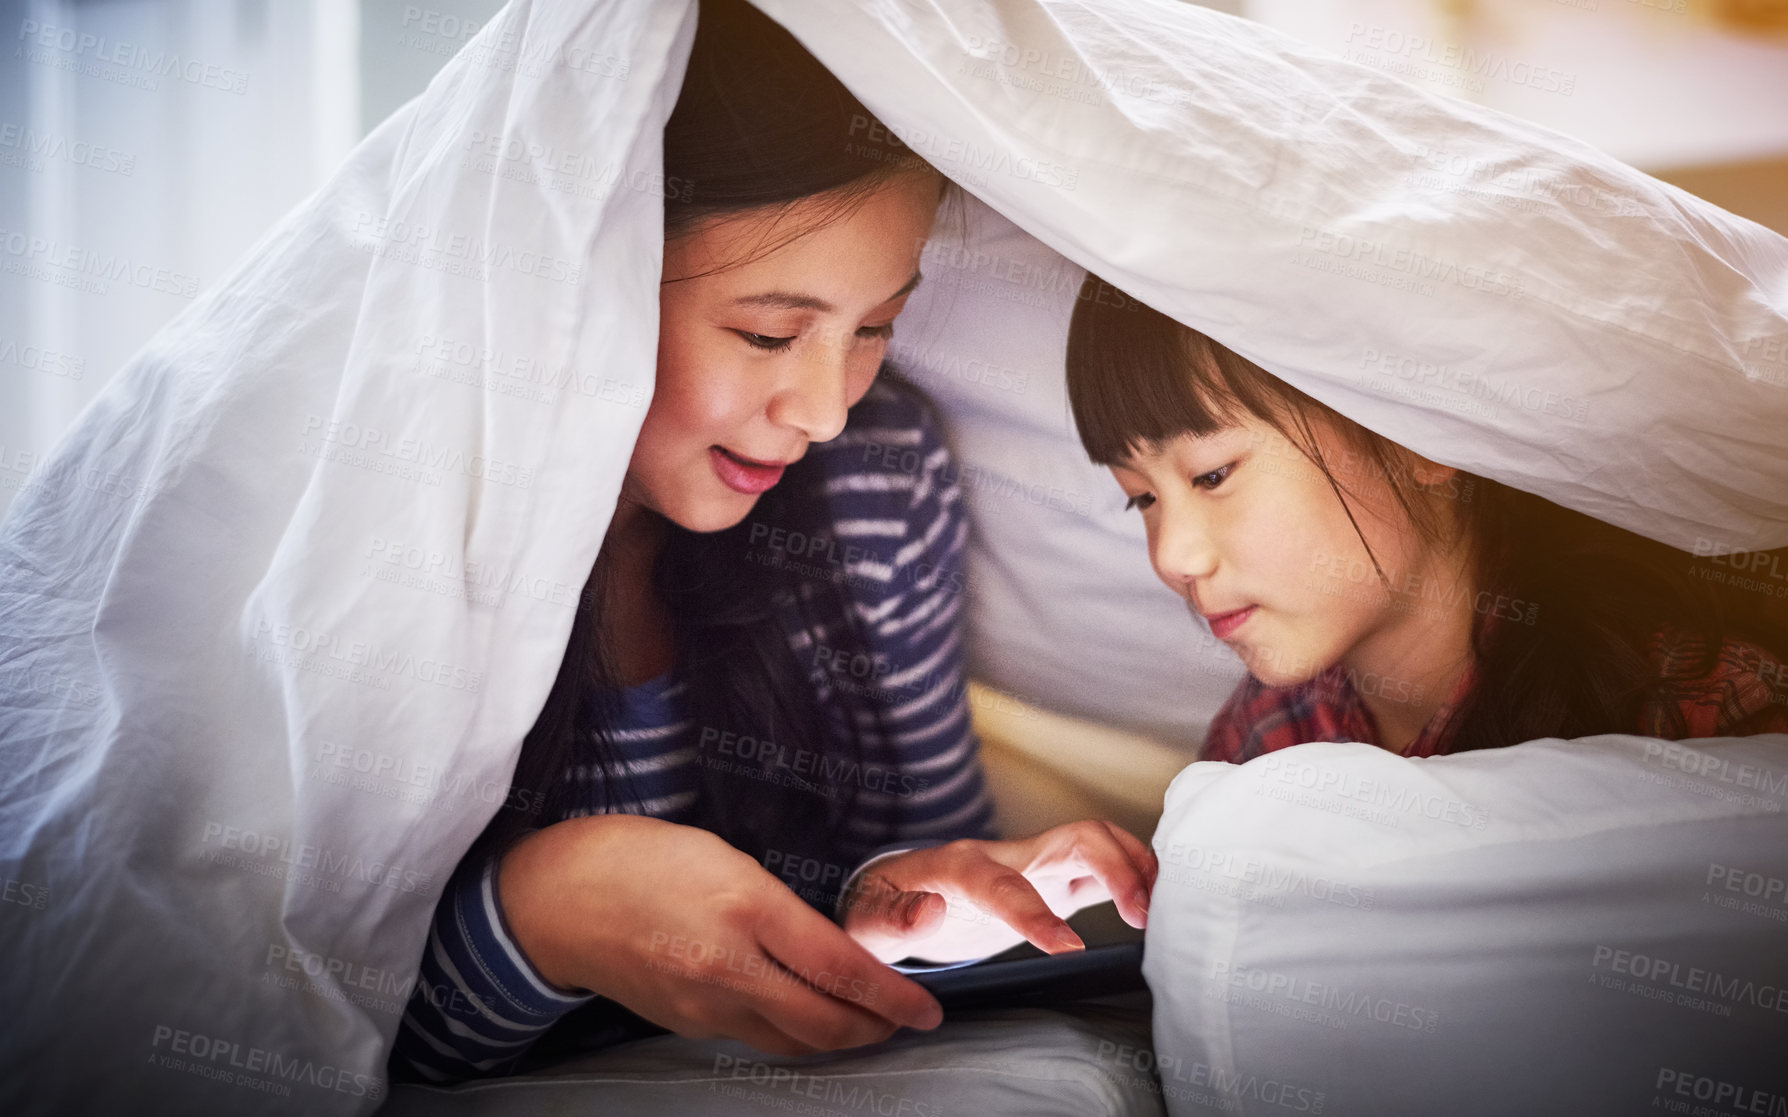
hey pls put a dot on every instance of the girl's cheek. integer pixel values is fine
(1259, 536)
(1294, 557)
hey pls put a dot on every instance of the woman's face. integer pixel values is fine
(1248, 531)
(757, 360)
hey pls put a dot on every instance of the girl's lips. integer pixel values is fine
(742, 475)
(1223, 624)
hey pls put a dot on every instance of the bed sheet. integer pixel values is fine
(1078, 1062)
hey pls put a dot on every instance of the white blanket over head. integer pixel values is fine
(276, 614)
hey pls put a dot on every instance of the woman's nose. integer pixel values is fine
(813, 400)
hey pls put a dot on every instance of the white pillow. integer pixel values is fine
(1584, 927)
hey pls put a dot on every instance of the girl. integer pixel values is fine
(1377, 596)
(764, 681)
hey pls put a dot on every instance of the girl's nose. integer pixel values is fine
(1183, 551)
(812, 400)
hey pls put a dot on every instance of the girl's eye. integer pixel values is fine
(1140, 501)
(1211, 480)
(760, 341)
(886, 331)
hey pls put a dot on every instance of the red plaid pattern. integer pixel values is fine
(1745, 692)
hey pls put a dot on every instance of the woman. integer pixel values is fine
(1378, 596)
(765, 678)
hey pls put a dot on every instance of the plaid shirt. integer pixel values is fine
(1744, 692)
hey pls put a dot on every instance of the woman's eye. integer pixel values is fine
(761, 341)
(1140, 501)
(1211, 480)
(886, 331)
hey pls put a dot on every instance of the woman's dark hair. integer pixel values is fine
(759, 124)
(1589, 597)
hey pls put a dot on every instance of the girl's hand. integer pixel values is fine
(969, 899)
(691, 934)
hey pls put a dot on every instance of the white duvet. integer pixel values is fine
(1591, 928)
(276, 613)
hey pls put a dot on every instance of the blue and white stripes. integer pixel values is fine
(478, 1003)
(885, 520)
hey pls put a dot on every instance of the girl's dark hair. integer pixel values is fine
(1586, 598)
(759, 125)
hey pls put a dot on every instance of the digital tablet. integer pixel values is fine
(1038, 979)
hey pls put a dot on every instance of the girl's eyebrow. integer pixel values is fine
(790, 300)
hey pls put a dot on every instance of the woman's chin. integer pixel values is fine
(714, 514)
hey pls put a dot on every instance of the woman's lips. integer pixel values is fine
(743, 475)
(1224, 624)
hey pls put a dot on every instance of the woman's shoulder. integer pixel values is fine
(877, 509)
(1736, 689)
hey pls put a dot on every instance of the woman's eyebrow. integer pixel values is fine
(789, 300)
(906, 287)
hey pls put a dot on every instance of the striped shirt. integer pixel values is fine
(882, 518)
(651, 735)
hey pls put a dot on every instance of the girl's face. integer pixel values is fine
(1248, 531)
(757, 360)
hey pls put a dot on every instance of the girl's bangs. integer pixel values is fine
(1137, 378)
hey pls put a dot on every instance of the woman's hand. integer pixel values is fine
(969, 899)
(691, 934)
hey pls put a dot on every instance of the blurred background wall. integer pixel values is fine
(180, 173)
